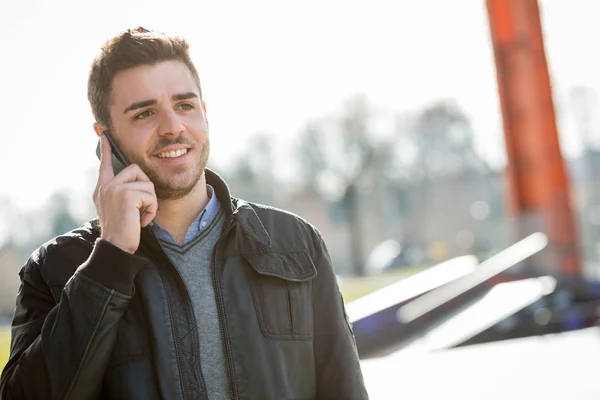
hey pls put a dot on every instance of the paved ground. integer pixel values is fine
(563, 366)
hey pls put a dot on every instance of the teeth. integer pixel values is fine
(172, 154)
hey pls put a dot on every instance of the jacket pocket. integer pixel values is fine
(282, 294)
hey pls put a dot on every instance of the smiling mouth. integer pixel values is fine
(172, 154)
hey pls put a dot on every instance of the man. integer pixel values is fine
(177, 290)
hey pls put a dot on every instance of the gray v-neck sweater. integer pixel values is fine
(193, 261)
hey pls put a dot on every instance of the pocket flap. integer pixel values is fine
(295, 267)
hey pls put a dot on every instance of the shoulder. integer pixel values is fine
(58, 258)
(287, 229)
(282, 220)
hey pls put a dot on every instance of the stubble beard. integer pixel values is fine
(167, 189)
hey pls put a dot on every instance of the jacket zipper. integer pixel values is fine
(221, 313)
(187, 296)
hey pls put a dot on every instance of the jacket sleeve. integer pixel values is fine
(60, 351)
(338, 371)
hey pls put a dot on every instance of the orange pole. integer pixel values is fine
(539, 186)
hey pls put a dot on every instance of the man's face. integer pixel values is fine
(160, 124)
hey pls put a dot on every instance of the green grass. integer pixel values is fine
(355, 287)
(4, 346)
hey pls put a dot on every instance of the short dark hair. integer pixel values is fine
(129, 49)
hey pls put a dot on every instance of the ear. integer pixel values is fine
(204, 109)
(99, 128)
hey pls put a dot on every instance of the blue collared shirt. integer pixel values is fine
(202, 220)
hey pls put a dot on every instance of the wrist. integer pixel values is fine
(116, 243)
(112, 267)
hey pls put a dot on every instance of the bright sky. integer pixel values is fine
(265, 65)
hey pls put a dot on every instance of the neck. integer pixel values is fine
(176, 216)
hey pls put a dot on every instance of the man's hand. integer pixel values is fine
(125, 203)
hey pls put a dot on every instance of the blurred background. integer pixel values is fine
(446, 149)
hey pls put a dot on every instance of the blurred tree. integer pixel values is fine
(252, 173)
(61, 219)
(443, 136)
(27, 230)
(7, 214)
(349, 161)
(340, 158)
(311, 156)
(442, 139)
(23, 233)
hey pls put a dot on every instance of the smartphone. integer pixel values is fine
(119, 162)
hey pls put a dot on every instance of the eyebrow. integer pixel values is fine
(146, 103)
(184, 96)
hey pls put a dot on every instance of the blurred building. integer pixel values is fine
(10, 262)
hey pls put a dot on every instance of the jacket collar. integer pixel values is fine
(235, 208)
(240, 210)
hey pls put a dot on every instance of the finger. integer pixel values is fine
(146, 218)
(142, 186)
(148, 207)
(141, 200)
(132, 173)
(106, 169)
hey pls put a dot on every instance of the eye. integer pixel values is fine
(144, 114)
(186, 106)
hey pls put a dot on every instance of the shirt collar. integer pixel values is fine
(202, 221)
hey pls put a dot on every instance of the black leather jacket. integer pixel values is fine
(93, 321)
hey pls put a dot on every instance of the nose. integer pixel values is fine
(170, 124)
